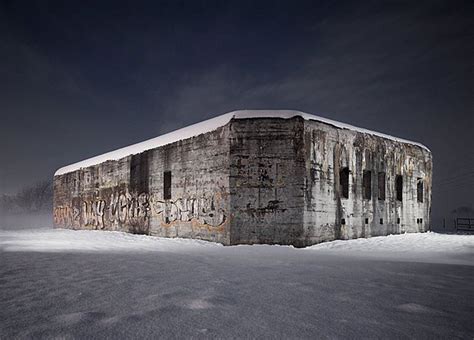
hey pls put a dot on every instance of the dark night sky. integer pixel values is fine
(79, 79)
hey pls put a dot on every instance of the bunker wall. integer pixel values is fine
(370, 209)
(256, 180)
(130, 194)
(267, 171)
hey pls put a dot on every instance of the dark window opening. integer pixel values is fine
(381, 186)
(381, 221)
(139, 173)
(167, 185)
(421, 220)
(343, 221)
(398, 220)
(344, 182)
(367, 184)
(399, 187)
(419, 190)
(366, 221)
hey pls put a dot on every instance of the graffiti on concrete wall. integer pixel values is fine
(125, 208)
(204, 210)
(93, 213)
(121, 209)
(62, 215)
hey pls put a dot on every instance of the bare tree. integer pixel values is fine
(36, 198)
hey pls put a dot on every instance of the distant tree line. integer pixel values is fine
(35, 198)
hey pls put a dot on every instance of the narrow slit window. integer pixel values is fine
(381, 186)
(419, 190)
(344, 182)
(367, 184)
(167, 185)
(399, 187)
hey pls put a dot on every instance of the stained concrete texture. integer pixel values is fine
(256, 180)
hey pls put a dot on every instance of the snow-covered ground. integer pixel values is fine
(421, 247)
(92, 284)
(63, 240)
(418, 247)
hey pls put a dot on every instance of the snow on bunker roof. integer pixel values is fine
(210, 125)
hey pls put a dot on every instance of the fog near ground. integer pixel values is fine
(29, 208)
(28, 221)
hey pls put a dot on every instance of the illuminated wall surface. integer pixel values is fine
(256, 180)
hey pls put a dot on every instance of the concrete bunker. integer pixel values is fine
(245, 177)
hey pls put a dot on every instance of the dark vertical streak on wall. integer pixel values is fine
(399, 187)
(367, 184)
(167, 185)
(339, 212)
(344, 182)
(139, 173)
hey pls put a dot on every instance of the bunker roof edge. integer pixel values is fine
(211, 125)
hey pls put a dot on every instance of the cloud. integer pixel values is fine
(400, 69)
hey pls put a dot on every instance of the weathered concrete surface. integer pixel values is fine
(258, 180)
(127, 195)
(329, 216)
(266, 180)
